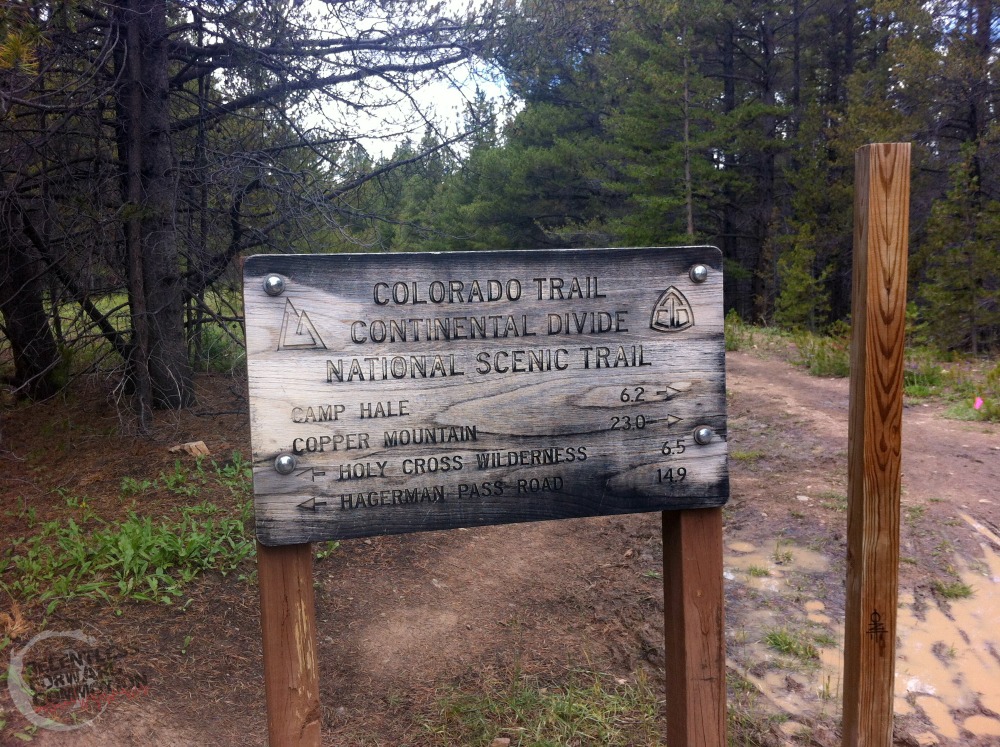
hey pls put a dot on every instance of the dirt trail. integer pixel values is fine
(948, 662)
(402, 617)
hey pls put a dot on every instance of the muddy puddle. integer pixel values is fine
(790, 645)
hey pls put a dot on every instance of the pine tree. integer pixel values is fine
(960, 294)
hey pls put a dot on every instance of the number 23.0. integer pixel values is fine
(627, 423)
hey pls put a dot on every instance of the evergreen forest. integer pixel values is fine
(149, 145)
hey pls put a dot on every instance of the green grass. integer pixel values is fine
(823, 356)
(791, 644)
(927, 373)
(742, 336)
(923, 375)
(746, 725)
(138, 558)
(914, 514)
(825, 639)
(953, 589)
(780, 555)
(746, 456)
(756, 571)
(966, 382)
(738, 334)
(588, 709)
(833, 500)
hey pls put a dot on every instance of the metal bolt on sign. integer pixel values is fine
(274, 285)
(698, 274)
(703, 435)
(285, 464)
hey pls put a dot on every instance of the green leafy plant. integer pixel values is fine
(325, 549)
(132, 487)
(180, 481)
(136, 559)
(236, 475)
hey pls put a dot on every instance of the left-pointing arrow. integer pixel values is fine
(311, 504)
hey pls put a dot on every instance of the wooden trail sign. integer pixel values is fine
(407, 392)
(400, 393)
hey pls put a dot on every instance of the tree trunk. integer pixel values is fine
(765, 261)
(155, 281)
(26, 324)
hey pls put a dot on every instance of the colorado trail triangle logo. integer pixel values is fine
(672, 312)
(297, 331)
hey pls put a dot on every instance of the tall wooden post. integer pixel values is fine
(878, 306)
(288, 627)
(694, 613)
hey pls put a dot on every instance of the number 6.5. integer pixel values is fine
(671, 448)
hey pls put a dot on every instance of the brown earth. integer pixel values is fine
(402, 618)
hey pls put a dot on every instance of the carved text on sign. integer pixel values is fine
(417, 391)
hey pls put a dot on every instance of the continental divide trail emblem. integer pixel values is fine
(672, 312)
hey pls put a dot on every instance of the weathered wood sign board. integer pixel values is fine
(410, 392)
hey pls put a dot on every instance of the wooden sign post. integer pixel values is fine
(288, 631)
(878, 309)
(398, 393)
(694, 628)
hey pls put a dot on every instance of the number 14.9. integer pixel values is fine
(671, 474)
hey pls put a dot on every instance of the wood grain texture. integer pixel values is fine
(529, 386)
(882, 185)
(288, 634)
(694, 627)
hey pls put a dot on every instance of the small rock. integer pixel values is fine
(500, 742)
(194, 448)
(803, 498)
(926, 739)
(914, 685)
